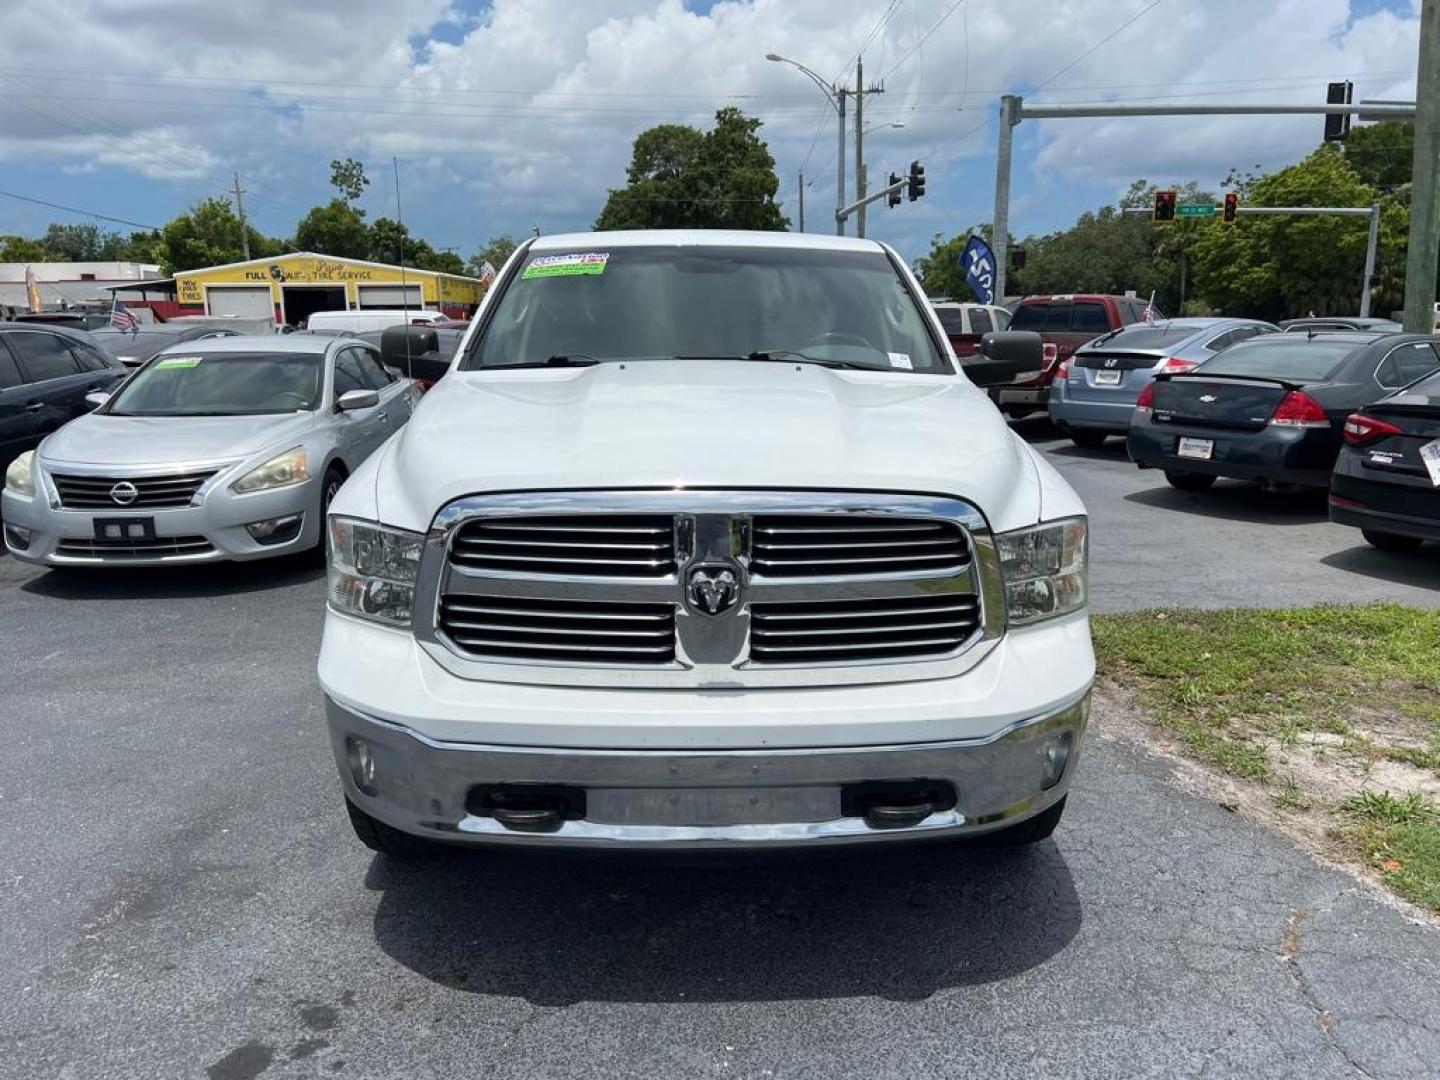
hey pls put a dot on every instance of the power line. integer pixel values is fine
(77, 210)
(924, 38)
(1123, 26)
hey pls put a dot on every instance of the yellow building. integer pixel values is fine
(289, 287)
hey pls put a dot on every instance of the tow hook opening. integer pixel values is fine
(896, 804)
(527, 807)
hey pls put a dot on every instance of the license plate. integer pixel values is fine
(1108, 378)
(1200, 449)
(131, 528)
(1430, 455)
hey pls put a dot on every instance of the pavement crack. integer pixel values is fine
(1289, 955)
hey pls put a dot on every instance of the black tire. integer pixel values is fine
(334, 477)
(1030, 831)
(377, 836)
(1391, 541)
(1189, 481)
(1088, 438)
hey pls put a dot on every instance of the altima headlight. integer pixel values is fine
(1045, 569)
(372, 570)
(19, 476)
(280, 471)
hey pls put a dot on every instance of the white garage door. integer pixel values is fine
(389, 296)
(251, 302)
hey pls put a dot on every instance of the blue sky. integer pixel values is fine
(520, 113)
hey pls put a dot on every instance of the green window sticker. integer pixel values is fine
(590, 262)
(177, 362)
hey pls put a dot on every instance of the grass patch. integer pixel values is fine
(1400, 838)
(1225, 681)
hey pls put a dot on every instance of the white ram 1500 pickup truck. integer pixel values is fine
(705, 540)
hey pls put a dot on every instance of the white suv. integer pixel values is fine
(704, 541)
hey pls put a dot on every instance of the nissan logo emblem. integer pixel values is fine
(124, 493)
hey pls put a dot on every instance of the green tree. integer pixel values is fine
(74, 243)
(1382, 155)
(680, 177)
(337, 229)
(495, 253)
(208, 234)
(18, 249)
(349, 178)
(390, 241)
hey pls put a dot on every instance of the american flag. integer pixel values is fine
(122, 318)
(1150, 309)
(32, 290)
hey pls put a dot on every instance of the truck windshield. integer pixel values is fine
(846, 308)
(221, 384)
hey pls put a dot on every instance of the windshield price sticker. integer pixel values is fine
(1430, 454)
(171, 362)
(590, 262)
(901, 360)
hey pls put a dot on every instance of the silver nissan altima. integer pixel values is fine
(230, 448)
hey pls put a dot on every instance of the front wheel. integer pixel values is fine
(1189, 481)
(377, 836)
(1031, 831)
(1391, 541)
(329, 488)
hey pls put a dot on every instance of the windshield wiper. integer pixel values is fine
(558, 360)
(782, 356)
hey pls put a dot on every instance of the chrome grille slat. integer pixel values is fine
(588, 631)
(812, 546)
(477, 609)
(133, 549)
(483, 542)
(852, 631)
(80, 492)
(593, 545)
(513, 628)
(968, 606)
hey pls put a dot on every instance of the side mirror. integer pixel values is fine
(414, 351)
(352, 400)
(1006, 356)
(96, 398)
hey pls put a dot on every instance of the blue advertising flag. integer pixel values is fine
(978, 262)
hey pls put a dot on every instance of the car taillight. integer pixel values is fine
(1050, 352)
(1177, 366)
(1361, 429)
(1063, 371)
(1298, 409)
(1146, 400)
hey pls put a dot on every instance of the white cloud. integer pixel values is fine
(528, 117)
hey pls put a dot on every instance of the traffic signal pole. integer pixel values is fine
(1013, 110)
(1424, 249)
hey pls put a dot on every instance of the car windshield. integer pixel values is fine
(221, 384)
(844, 308)
(1298, 361)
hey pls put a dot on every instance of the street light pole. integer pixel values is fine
(1420, 259)
(860, 143)
(802, 202)
(836, 96)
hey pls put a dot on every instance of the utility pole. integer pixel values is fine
(1371, 248)
(802, 202)
(840, 162)
(860, 91)
(1420, 263)
(240, 213)
(1000, 230)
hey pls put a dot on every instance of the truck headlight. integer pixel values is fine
(20, 477)
(1045, 569)
(280, 471)
(372, 570)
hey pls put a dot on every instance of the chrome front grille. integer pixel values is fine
(585, 632)
(598, 545)
(846, 630)
(151, 492)
(814, 545)
(120, 550)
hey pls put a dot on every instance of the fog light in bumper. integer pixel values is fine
(17, 538)
(1057, 756)
(278, 530)
(362, 764)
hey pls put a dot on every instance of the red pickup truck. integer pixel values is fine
(1064, 322)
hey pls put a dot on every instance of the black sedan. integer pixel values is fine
(1270, 409)
(1387, 478)
(133, 347)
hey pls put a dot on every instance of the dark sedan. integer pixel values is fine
(1271, 409)
(133, 347)
(1387, 478)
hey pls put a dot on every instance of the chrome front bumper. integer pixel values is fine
(705, 800)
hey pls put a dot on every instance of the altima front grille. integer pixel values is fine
(810, 632)
(119, 550)
(150, 492)
(813, 545)
(573, 631)
(598, 545)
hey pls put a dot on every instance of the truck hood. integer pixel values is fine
(100, 439)
(736, 424)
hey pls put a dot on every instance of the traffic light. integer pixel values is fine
(1164, 209)
(1337, 125)
(893, 199)
(1232, 208)
(917, 180)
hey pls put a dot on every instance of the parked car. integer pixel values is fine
(45, 373)
(240, 324)
(1094, 391)
(74, 320)
(704, 541)
(363, 319)
(229, 448)
(1064, 323)
(1271, 409)
(136, 346)
(1332, 323)
(966, 324)
(1387, 478)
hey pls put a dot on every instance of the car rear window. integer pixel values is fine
(1308, 361)
(1150, 337)
(1088, 317)
(1030, 317)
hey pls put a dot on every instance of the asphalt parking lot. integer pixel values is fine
(181, 895)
